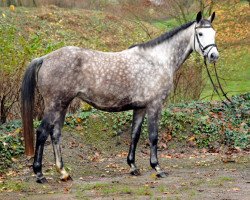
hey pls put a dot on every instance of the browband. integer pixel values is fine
(203, 27)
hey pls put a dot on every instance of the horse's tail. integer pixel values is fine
(27, 103)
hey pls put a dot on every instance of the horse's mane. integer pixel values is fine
(163, 37)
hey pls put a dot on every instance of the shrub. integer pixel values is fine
(210, 124)
(10, 143)
(13, 58)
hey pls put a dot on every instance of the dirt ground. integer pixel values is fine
(102, 173)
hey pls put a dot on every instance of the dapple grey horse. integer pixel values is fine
(139, 79)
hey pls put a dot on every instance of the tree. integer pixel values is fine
(34, 3)
(9, 92)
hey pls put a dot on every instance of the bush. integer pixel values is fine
(209, 124)
(12, 60)
(11, 143)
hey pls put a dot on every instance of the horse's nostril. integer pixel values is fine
(213, 56)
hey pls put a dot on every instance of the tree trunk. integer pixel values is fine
(8, 2)
(19, 3)
(3, 114)
(34, 3)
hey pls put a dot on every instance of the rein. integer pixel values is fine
(219, 84)
(202, 48)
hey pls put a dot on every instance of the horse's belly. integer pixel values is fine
(110, 102)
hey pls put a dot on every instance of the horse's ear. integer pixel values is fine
(198, 17)
(211, 18)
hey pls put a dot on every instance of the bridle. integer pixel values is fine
(205, 55)
(202, 48)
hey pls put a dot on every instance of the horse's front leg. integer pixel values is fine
(153, 119)
(138, 117)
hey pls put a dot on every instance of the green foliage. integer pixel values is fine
(115, 122)
(121, 120)
(80, 117)
(11, 126)
(10, 143)
(210, 124)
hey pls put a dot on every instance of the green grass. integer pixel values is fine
(233, 68)
(108, 189)
(13, 186)
(166, 24)
(220, 181)
(85, 28)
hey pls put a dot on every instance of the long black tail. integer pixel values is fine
(27, 103)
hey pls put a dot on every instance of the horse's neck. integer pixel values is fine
(174, 51)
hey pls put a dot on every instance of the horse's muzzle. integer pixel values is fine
(213, 57)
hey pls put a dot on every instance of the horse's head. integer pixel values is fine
(204, 38)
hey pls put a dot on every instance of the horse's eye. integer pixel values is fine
(200, 34)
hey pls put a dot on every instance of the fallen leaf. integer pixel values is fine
(192, 138)
(79, 128)
(236, 189)
(123, 154)
(227, 159)
(113, 165)
(165, 156)
(162, 145)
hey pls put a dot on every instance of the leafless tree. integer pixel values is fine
(9, 92)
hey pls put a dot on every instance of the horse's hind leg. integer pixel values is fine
(138, 117)
(51, 124)
(42, 134)
(55, 138)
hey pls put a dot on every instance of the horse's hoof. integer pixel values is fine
(162, 174)
(41, 180)
(135, 172)
(65, 179)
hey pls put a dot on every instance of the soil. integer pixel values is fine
(99, 171)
